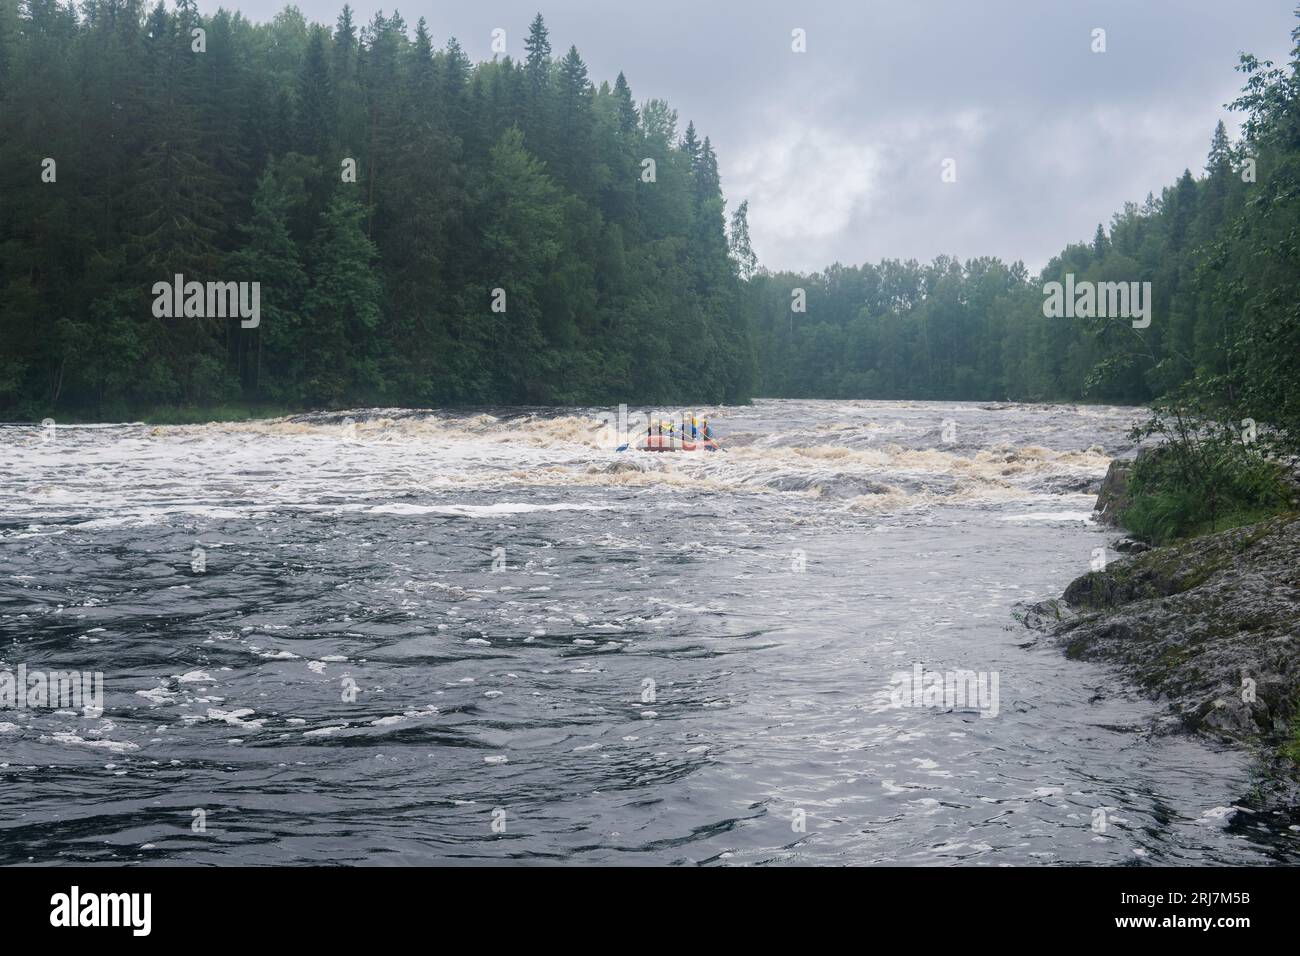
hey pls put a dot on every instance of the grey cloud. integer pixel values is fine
(838, 149)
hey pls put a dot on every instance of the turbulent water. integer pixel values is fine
(389, 636)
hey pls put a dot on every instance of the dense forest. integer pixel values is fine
(430, 231)
(424, 230)
(1218, 251)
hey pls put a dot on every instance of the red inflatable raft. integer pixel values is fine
(674, 443)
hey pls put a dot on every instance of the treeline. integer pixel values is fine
(513, 232)
(976, 329)
(429, 231)
(1221, 251)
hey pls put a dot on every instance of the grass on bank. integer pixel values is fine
(1291, 749)
(1186, 489)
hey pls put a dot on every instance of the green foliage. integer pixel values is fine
(1222, 254)
(904, 330)
(228, 165)
(1230, 411)
(1203, 477)
(1290, 747)
(526, 176)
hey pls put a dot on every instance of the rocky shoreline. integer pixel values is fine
(1210, 626)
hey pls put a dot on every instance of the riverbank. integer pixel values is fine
(240, 412)
(1210, 626)
(166, 415)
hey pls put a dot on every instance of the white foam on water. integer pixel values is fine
(409, 465)
(481, 511)
(116, 746)
(1085, 516)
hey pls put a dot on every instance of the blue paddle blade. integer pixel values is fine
(622, 447)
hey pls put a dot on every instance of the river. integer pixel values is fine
(393, 636)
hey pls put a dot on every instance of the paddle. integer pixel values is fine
(700, 439)
(717, 445)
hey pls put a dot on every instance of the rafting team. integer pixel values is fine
(690, 434)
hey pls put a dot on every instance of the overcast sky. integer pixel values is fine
(839, 150)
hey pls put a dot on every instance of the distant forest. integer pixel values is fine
(1220, 249)
(524, 184)
(976, 329)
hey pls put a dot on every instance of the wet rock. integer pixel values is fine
(1113, 496)
(1043, 614)
(1211, 626)
(1229, 717)
(1069, 485)
(1129, 546)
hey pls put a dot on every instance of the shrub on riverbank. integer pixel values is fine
(1205, 477)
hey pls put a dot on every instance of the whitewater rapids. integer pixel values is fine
(387, 635)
